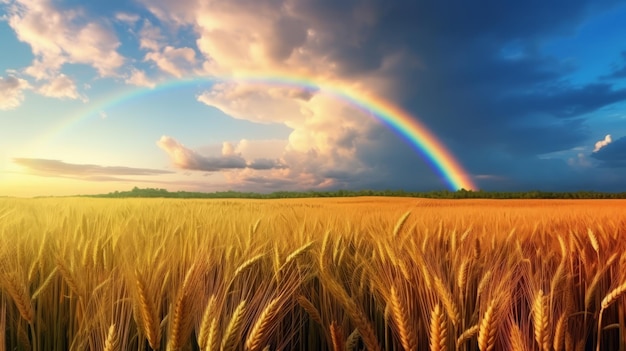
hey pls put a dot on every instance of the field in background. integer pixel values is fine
(312, 274)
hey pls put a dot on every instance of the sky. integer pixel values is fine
(99, 96)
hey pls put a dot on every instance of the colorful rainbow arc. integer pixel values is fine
(406, 125)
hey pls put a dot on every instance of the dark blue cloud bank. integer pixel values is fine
(516, 116)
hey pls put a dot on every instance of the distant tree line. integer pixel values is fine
(439, 194)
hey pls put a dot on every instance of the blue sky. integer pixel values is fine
(526, 95)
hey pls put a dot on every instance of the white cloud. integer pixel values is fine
(129, 18)
(239, 38)
(12, 92)
(60, 87)
(57, 37)
(187, 159)
(228, 149)
(175, 61)
(150, 37)
(139, 78)
(602, 143)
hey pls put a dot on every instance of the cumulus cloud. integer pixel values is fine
(47, 167)
(60, 87)
(185, 158)
(602, 143)
(613, 154)
(175, 61)
(57, 37)
(139, 78)
(12, 92)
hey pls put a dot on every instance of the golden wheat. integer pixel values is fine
(73, 269)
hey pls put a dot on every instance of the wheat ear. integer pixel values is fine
(487, 330)
(19, 293)
(353, 339)
(296, 253)
(516, 339)
(398, 227)
(540, 320)
(206, 322)
(613, 295)
(310, 309)
(448, 302)
(438, 330)
(400, 316)
(466, 335)
(111, 343)
(610, 298)
(45, 283)
(559, 332)
(242, 267)
(181, 319)
(336, 336)
(357, 315)
(593, 239)
(148, 315)
(260, 330)
(233, 329)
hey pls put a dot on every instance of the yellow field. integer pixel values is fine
(312, 274)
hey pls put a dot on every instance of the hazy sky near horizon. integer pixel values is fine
(97, 96)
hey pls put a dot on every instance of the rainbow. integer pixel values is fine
(403, 123)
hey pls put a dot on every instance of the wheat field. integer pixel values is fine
(312, 274)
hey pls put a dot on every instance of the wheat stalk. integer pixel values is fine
(613, 295)
(438, 330)
(483, 282)
(210, 340)
(242, 267)
(448, 302)
(45, 283)
(111, 343)
(610, 298)
(365, 328)
(295, 254)
(18, 291)
(516, 339)
(180, 326)
(466, 335)
(310, 309)
(148, 315)
(229, 342)
(353, 339)
(541, 319)
(260, 330)
(487, 330)
(593, 239)
(336, 336)
(400, 316)
(68, 277)
(559, 332)
(205, 324)
(398, 227)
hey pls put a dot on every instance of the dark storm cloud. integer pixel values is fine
(60, 168)
(613, 155)
(479, 78)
